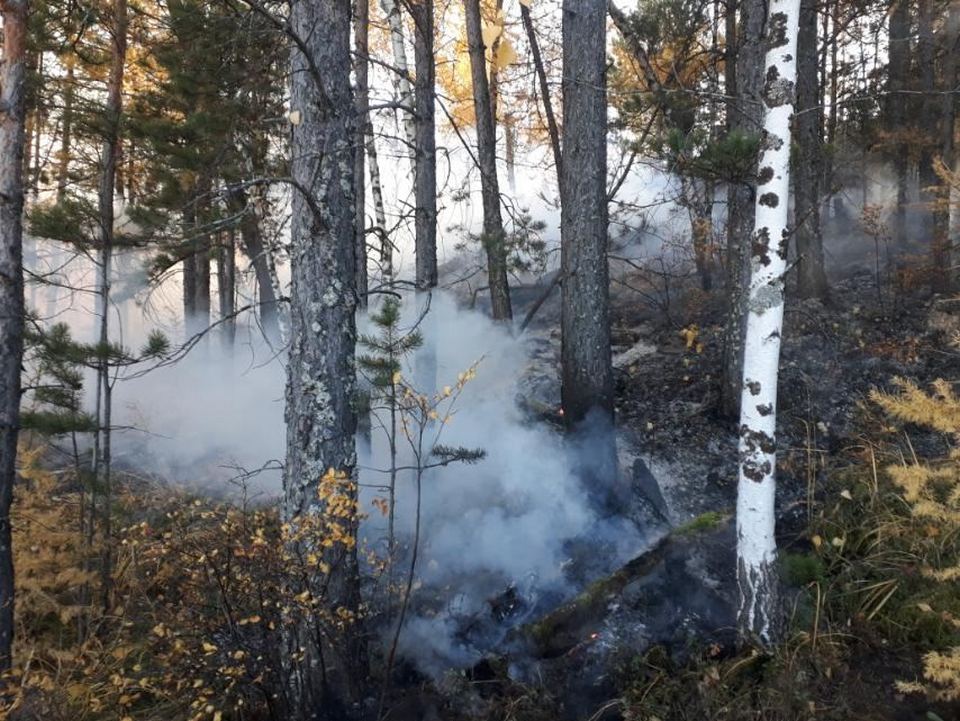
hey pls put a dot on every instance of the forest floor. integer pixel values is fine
(655, 640)
(651, 641)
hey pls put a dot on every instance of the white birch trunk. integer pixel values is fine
(379, 211)
(759, 616)
(394, 19)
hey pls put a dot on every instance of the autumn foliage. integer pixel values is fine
(202, 594)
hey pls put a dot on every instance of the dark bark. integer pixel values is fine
(12, 137)
(744, 117)
(322, 681)
(189, 223)
(361, 46)
(548, 113)
(425, 173)
(899, 65)
(201, 257)
(251, 238)
(227, 287)
(66, 132)
(107, 192)
(929, 119)
(494, 240)
(587, 372)
(948, 127)
(587, 390)
(808, 170)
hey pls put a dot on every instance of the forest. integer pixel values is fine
(479, 360)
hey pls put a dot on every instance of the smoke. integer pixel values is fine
(517, 523)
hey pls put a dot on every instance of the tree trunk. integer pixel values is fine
(811, 276)
(929, 120)
(745, 118)
(251, 238)
(37, 127)
(587, 374)
(201, 258)
(12, 112)
(551, 117)
(66, 131)
(325, 669)
(391, 9)
(896, 102)
(760, 611)
(361, 66)
(107, 192)
(948, 128)
(425, 191)
(493, 235)
(379, 211)
(189, 223)
(227, 287)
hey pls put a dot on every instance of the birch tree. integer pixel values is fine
(321, 377)
(12, 80)
(759, 613)
(395, 21)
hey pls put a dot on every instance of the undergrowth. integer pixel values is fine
(875, 611)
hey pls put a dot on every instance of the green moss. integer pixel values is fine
(702, 523)
(800, 569)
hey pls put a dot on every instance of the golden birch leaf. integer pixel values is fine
(506, 55)
(491, 33)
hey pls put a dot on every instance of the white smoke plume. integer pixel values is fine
(510, 520)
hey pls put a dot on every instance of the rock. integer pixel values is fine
(634, 353)
(647, 486)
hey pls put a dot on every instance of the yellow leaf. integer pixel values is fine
(526, 3)
(491, 33)
(506, 55)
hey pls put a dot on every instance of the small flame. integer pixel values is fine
(560, 412)
(594, 636)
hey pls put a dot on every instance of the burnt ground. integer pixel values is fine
(679, 452)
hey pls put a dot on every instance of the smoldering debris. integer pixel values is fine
(510, 536)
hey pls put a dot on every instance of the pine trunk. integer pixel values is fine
(550, 116)
(760, 611)
(12, 111)
(745, 117)
(943, 228)
(587, 374)
(227, 287)
(108, 175)
(361, 24)
(323, 670)
(251, 239)
(493, 235)
(896, 102)
(66, 132)
(811, 276)
(425, 190)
